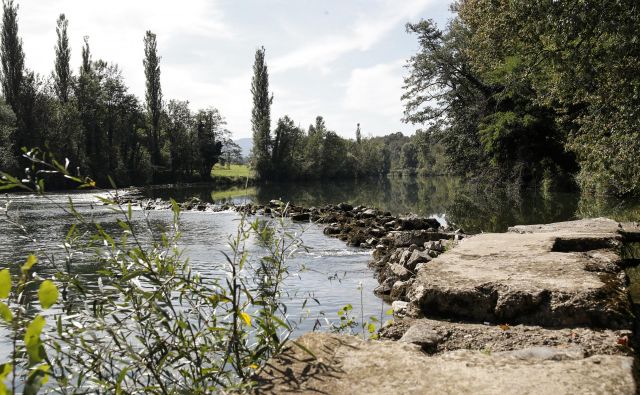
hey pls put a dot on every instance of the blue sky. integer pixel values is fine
(340, 59)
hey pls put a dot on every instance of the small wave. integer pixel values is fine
(337, 253)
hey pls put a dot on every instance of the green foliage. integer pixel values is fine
(209, 139)
(261, 116)
(152, 325)
(12, 56)
(526, 89)
(153, 95)
(5, 283)
(47, 294)
(62, 70)
(93, 121)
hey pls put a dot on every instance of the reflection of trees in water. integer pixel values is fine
(619, 209)
(473, 207)
(494, 210)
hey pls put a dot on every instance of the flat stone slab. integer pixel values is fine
(437, 337)
(349, 365)
(565, 274)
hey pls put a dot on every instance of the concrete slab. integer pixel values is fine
(349, 365)
(566, 274)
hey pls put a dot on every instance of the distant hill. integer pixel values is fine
(245, 144)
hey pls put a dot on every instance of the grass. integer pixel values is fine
(232, 193)
(234, 171)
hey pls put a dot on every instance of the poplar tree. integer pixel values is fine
(154, 93)
(62, 70)
(261, 115)
(12, 56)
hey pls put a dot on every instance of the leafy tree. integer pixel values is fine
(62, 71)
(231, 152)
(153, 94)
(409, 156)
(181, 137)
(261, 115)
(473, 88)
(8, 161)
(287, 145)
(210, 137)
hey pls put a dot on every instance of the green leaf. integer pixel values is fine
(246, 318)
(47, 294)
(371, 328)
(37, 378)
(5, 283)
(5, 312)
(31, 260)
(32, 338)
(5, 369)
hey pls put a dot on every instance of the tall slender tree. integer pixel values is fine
(87, 96)
(261, 115)
(62, 70)
(12, 56)
(154, 93)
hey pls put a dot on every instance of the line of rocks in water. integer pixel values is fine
(401, 244)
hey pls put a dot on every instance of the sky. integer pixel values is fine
(339, 59)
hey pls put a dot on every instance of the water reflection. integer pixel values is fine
(473, 207)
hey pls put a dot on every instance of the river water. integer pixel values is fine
(329, 275)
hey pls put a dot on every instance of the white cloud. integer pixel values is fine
(116, 30)
(207, 49)
(376, 89)
(366, 32)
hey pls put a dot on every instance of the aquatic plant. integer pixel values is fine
(152, 325)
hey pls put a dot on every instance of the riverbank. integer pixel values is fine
(539, 309)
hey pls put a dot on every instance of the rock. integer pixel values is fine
(404, 257)
(414, 222)
(331, 230)
(338, 364)
(435, 245)
(423, 335)
(345, 206)
(377, 232)
(419, 266)
(415, 258)
(300, 217)
(369, 213)
(418, 237)
(504, 338)
(544, 354)
(519, 277)
(384, 288)
(399, 271)
(399, 289)
(399, 308)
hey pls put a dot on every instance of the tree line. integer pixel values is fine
(537, 92)
(289, 152)
(91, 118)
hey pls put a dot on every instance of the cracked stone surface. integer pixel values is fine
(348, 365)
(565, 274)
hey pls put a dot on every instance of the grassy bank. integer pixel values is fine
(234, 175)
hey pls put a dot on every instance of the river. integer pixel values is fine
(329, 274)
